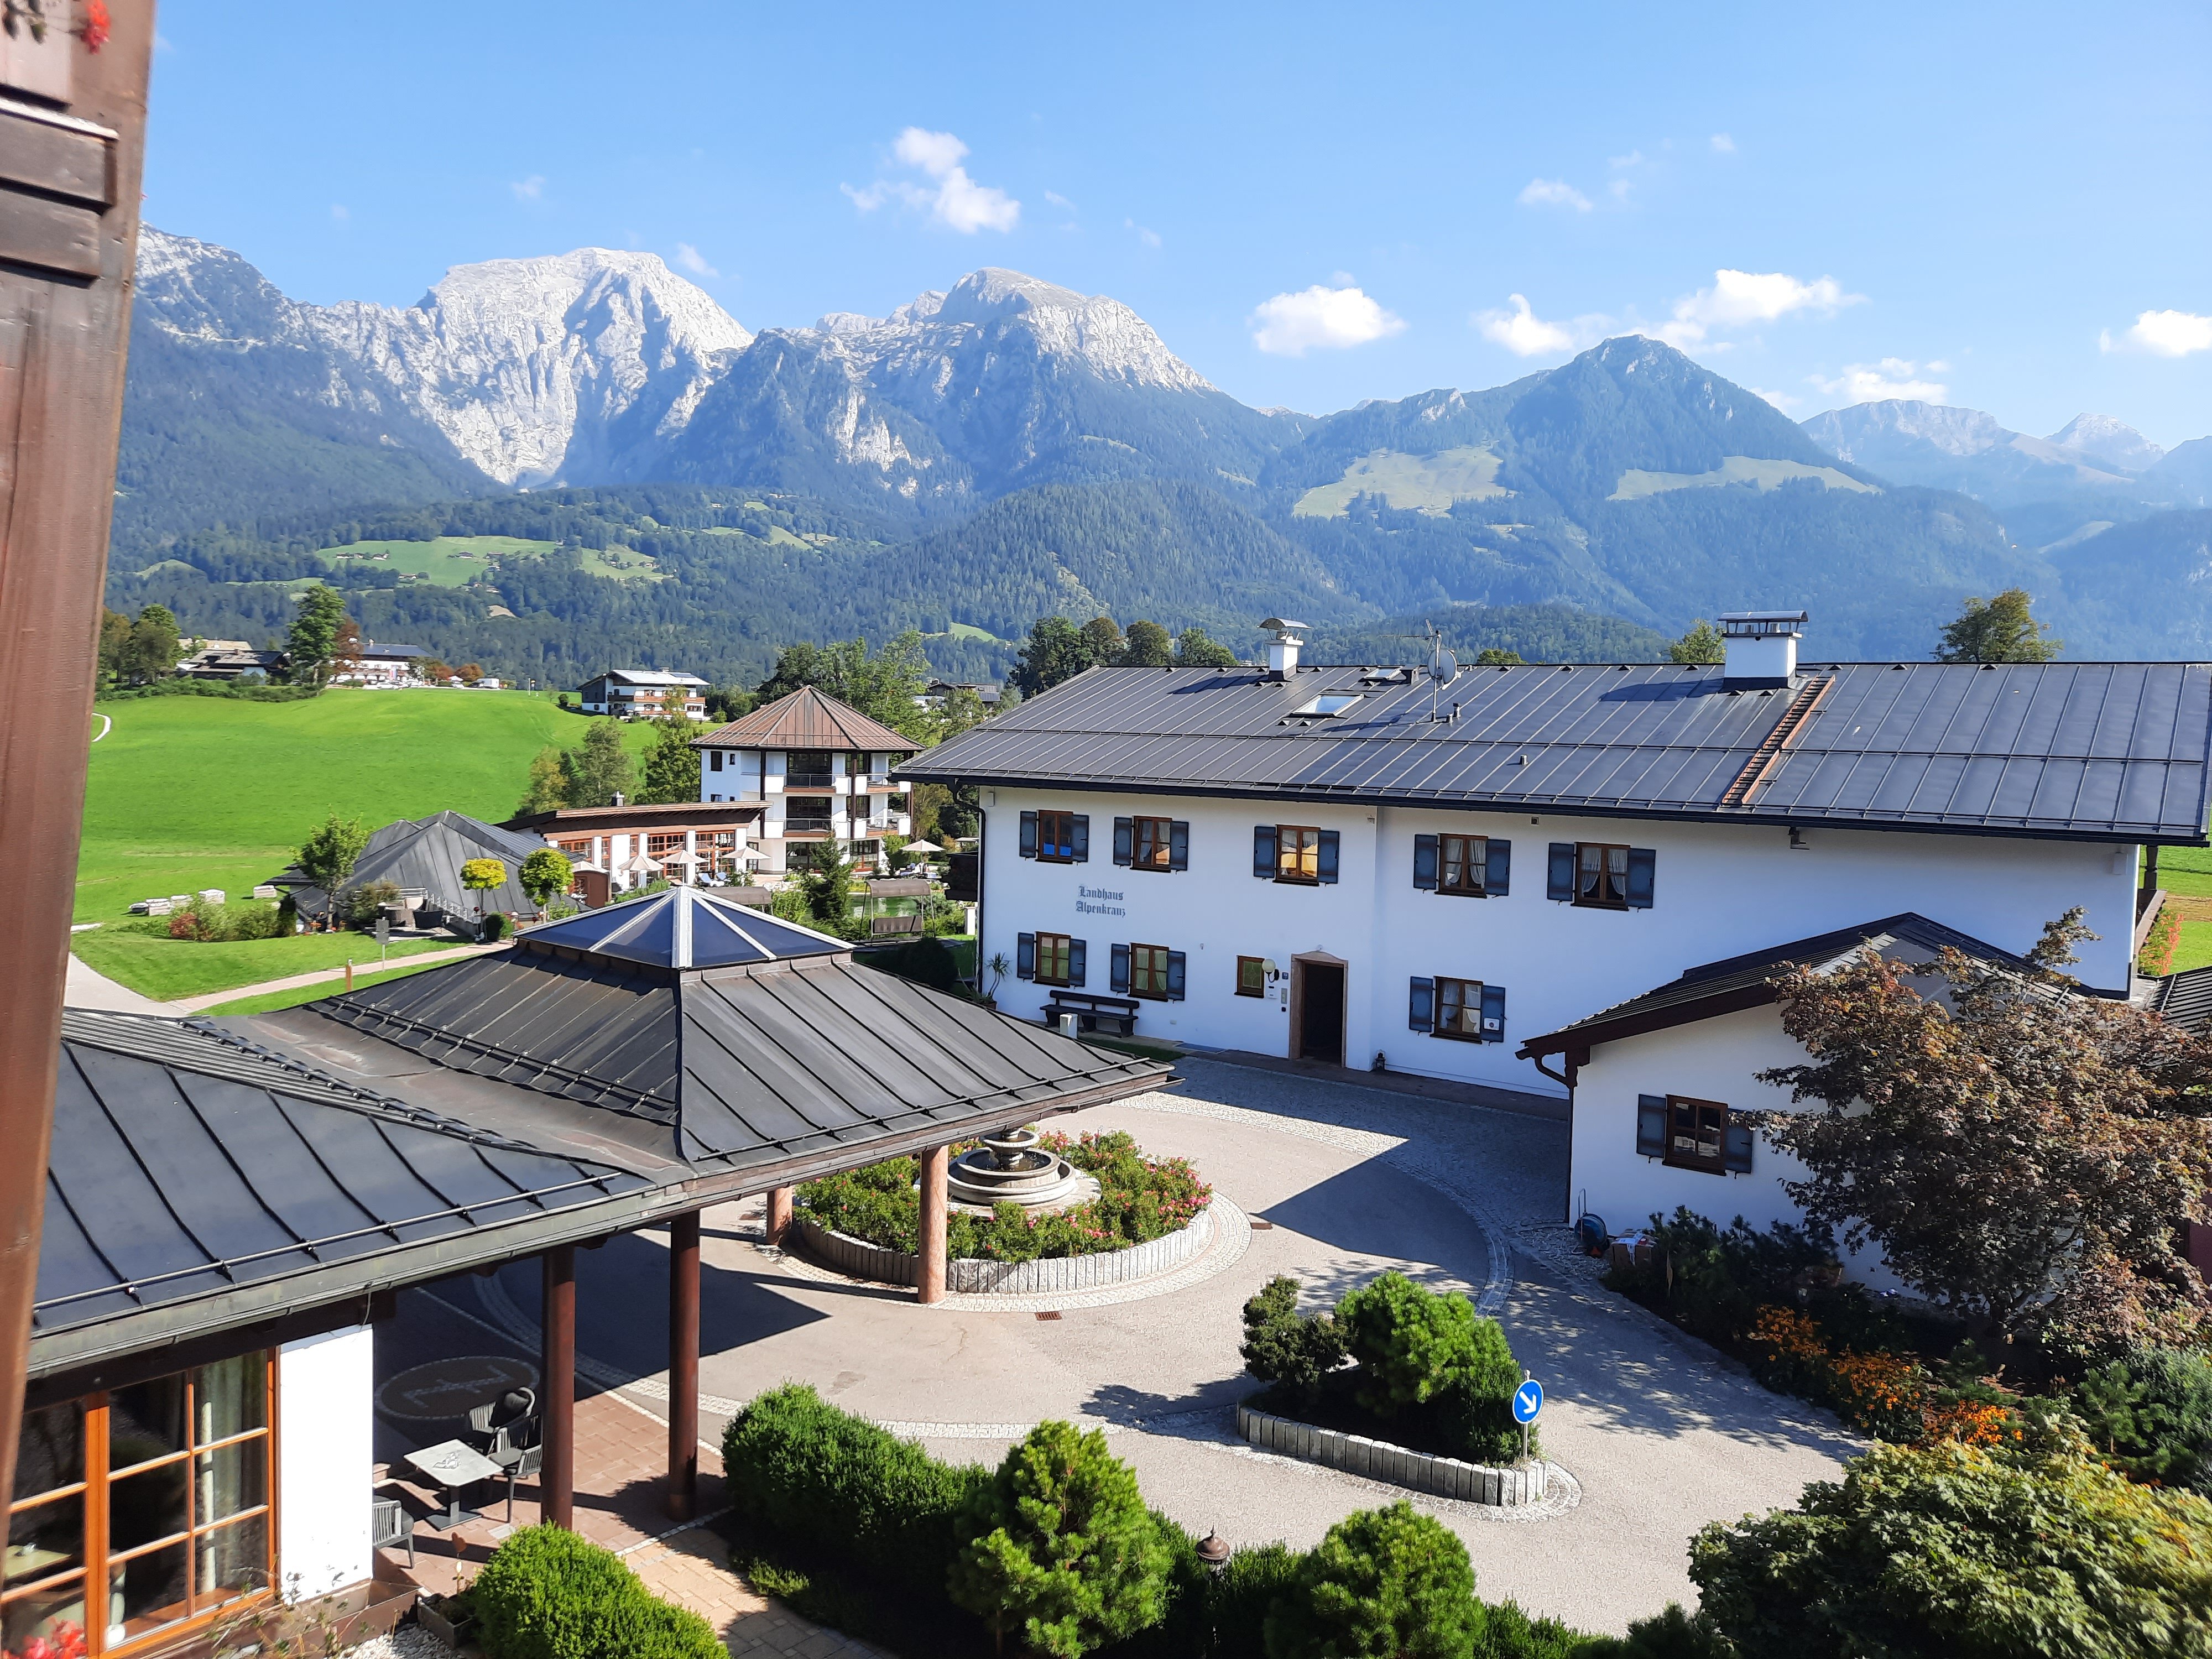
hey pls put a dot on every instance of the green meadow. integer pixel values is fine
(457, 561)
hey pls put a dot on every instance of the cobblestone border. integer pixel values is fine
(1378, 1460)
(972, 1276)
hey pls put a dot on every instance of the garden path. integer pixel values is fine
(88, 988)
(1660, 1434)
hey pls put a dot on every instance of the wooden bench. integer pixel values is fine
(1114, 1016)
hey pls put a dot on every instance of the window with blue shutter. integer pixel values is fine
(1642, 865)
(1325, 857)
(1079, 838)
(1179, 845)
(1026, 957)
(1736, 1149)
(1263, 850)
(1651, 1125)
(1118, 969)
(1125, 840)
(1497, 868)
(1078, 951)
(1424, 863)
(1028, 835)
(1421, 1005)
(1493, 1013)
(1176, 976)
(1559, 882)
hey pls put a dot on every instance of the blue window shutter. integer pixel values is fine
(1493, 1013)
(1642, 863)
(1263, 850)
(1735, 1148)
(1424, 863)
(1118, 968)
(1077, 950)
(1561, 884)
(1497, 868)
(1078, 836)
(1325, 857)
(1179, 845)
(1028, 835)
(1125, 840)
(1026, 957)
(1421, 1005)
(1651, 1125)
(1175, 976)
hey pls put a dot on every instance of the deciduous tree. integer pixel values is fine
(543, 873)
(328, 855)
(1147, 646)
(1702, 644)
(1997, 631)
(671, 765)
(883, 686)
(1195, 649)
(599, 770)
(548, 788)
(1056, 652)
(2023, 1156)
(1103, 642)
(152, 653)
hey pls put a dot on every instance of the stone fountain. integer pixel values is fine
(1014, 1167)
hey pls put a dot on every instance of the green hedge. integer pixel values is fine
(546, 1594)
(191, 687)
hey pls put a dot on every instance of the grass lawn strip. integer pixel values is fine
(167, 970)
(270, 1001)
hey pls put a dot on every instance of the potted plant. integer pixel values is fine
(452, 1619)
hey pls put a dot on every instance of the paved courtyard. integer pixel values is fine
(1341, 1183)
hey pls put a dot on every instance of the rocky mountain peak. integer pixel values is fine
(2108, 442)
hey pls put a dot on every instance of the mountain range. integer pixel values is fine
(1007, 446)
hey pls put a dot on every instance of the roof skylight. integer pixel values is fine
(1329, 702)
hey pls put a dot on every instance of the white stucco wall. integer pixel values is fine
(325, 1400)
(1718, 1058)
(1719, 891)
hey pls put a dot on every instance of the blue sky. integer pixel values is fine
(1998, 206)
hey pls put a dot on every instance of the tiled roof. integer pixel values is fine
(2093, 750)
(805, 720)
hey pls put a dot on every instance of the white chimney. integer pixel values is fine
(1762, 648)
(1283, 648)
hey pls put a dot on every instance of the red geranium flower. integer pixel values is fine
(93, 33)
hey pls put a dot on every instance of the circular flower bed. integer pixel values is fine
(1139, 1200)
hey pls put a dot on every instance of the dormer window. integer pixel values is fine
(1328, 703)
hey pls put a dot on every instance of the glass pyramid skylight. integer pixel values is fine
(684, 928)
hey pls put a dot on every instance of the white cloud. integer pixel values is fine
(1634, 158)
(694, 261)
(1525, 334)
(1149, 237)
(1317, 318)
(1722, 144)
(1059, 201)
(1781, 400)
(957, 201)
(1874, 383)
(1739, 298)
(529, 190)
(2162, 334)
(1618, 189)
(1554, 193)
(340, 212)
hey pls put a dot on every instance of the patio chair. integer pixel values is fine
(504, 1425)
(390, 1525)
(528, 1463)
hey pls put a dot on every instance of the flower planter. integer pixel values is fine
(972, 1276)
(452, 1632)
(1378, 1460)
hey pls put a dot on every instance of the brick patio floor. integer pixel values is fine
(622, 1457)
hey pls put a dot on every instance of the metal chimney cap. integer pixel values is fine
(1280, 625)
(1755, 624)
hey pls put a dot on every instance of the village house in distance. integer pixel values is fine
(1459, 875)
(815, 770)
(644, 694)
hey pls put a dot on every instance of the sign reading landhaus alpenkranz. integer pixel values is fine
(1087, 904)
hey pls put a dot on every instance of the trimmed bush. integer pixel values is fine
(1673, 1634)
(1282, 1346)
(1255, 1580)
(546, 1594)
(838, 1489)
(1064, 1552)
(1954, 1550)
(1389, 1582)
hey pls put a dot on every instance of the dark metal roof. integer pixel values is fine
(426, 855)
(1747, 982)
(187, 1169)
(2185, 998)
(681, 928)
(807, 719)
(2095, 751)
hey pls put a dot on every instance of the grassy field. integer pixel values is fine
(457, 561)
(1430, 483)
(270, 1002)
(167, 969)
(1733, 470)
(187, 793)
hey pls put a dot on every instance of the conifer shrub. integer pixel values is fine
(547, 1594)
(2150, 1415)
(1385, 1582)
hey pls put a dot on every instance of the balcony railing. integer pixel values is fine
(809, 781)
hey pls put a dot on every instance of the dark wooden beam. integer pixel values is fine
(557, 1480)
(683, 1366)
(72, 146)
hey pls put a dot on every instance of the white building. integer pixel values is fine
(647, 694)
(1373, 868)
(820, 770)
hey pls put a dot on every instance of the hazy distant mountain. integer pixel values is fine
(2183, 475)
(1909, 441)
(2104, 441)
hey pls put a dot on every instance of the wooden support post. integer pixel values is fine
(557, 1480)
(683, 1366)
(779, 1212)
(929, 1277)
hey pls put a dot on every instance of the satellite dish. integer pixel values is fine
(1443, 667)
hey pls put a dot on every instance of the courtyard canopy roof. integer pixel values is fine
(598, 1075)
(425, 855)
(2061, 750)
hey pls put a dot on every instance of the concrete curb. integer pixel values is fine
(1378, 1460)
(969, 1276)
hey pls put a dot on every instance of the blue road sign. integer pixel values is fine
(1528, 1401)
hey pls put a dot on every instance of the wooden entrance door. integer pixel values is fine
(1317, 1009)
